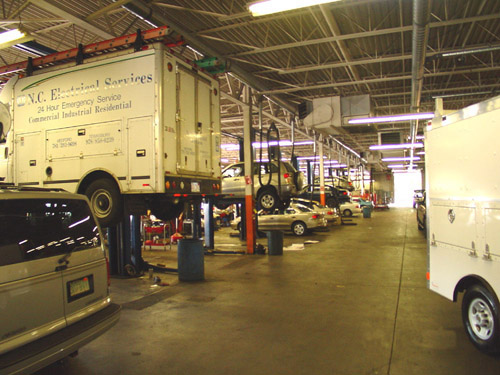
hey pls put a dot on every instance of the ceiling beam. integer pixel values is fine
(377, 80)
(56, 9)
(364, 34)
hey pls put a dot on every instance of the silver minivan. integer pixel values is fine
(270, 191)
(54, 278)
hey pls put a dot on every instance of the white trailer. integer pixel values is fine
(140, 128)
(463, 216)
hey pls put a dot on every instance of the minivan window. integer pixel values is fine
(39, 228)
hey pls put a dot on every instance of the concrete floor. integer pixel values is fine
(355, 303)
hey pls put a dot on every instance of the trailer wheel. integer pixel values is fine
(481, 320)
(105, 201)
(268, 200)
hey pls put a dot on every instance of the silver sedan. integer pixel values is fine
(298, 219)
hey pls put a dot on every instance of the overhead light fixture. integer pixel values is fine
(404, 158)
(393, 118)
(327, 162)
(397, 146)
(392, 166)
(283, 143)
(14, 36)
(262, 8)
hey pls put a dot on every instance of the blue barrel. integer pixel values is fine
(275, 242)
(367, 212)
(190, 260)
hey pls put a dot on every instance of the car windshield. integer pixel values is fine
(302, 208)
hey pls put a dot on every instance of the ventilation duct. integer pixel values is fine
(333, 112)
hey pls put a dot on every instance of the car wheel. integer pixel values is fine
(105, 201)
(299, 228)
(267, 200)
(347, 212)
(481, 320)
(330, 203)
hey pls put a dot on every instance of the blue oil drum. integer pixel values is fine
(275, 242)
(367, 212)
(190, 260)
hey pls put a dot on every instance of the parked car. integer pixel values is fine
(418, 195)
(330, 214)
(338, 182)
(421, 213)
(298, 219)
(267, 192)
(333, 196)
(350, 208)
(54, 279)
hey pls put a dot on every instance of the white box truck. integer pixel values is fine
(135, 127)
(463, 216)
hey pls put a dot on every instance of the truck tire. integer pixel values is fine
(268, 200)
(105, 201)
(480, 315)
(299, 228)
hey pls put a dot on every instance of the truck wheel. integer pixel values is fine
(268, 200)
(299, 228)
(481, 320)
(105, 201)
(347, 212)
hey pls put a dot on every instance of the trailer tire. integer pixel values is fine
(106, 201)
(480, 315)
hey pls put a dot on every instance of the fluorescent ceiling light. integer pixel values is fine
(262, 8)
(13, 37)
(397, 147)
(285, 143)
(393, 118)
(309, 157)
(395, 166)
(405, 158)
(325, 162)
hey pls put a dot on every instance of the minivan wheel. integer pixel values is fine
(480, 315)
(105, 201)
(267, 200)
(299, 228)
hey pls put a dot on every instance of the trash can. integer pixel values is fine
(275, 242)
(367, 212)
(190, 260)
